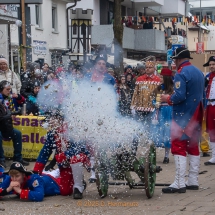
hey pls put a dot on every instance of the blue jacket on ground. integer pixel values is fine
(34, 187)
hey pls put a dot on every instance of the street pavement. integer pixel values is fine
(122, 200)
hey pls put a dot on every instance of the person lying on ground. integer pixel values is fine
(69, 156)
(26, 185)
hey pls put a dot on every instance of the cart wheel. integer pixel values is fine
(150, 171)
(102, 184)
(101, 174)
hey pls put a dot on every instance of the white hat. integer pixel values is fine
(3, 60)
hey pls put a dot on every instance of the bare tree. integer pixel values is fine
(118, 38)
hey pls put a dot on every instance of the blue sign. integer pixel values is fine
(175, 46)
(169, 54)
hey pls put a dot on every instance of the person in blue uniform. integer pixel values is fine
(99, 72)
(69, 156)
(26, 185)
(161, 121)
(187, 121)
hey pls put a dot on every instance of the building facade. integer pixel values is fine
(137, 41)
(48, 31)
(46, 27)
(9, 34)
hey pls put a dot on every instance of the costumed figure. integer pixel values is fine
(26, 185)
(161, 121)
(98, 74)
(204, 144)
(69, 156)
(143, 95)
(187, 121)
(210, 110)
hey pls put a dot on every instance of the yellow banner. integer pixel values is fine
(32, 136)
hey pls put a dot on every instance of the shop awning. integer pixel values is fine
(4, 20)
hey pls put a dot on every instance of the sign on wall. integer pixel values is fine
(176, 39)
(199, 48)
(39, 47)
(8, 10)
(33, 136)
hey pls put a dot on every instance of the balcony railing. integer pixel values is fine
(135, 39)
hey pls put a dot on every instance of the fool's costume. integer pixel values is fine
(143, 97)
(143, 93)
(70, 158)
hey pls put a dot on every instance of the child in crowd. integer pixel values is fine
(161, 122)
(31, 102)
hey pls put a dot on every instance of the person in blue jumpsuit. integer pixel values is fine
(26, 185)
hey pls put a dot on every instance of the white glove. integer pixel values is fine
(157, 105)
(133, 112)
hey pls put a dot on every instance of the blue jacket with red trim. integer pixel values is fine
(53, 142)
(4, 178)
(188, 95)
(34, 187)
(108, 79)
